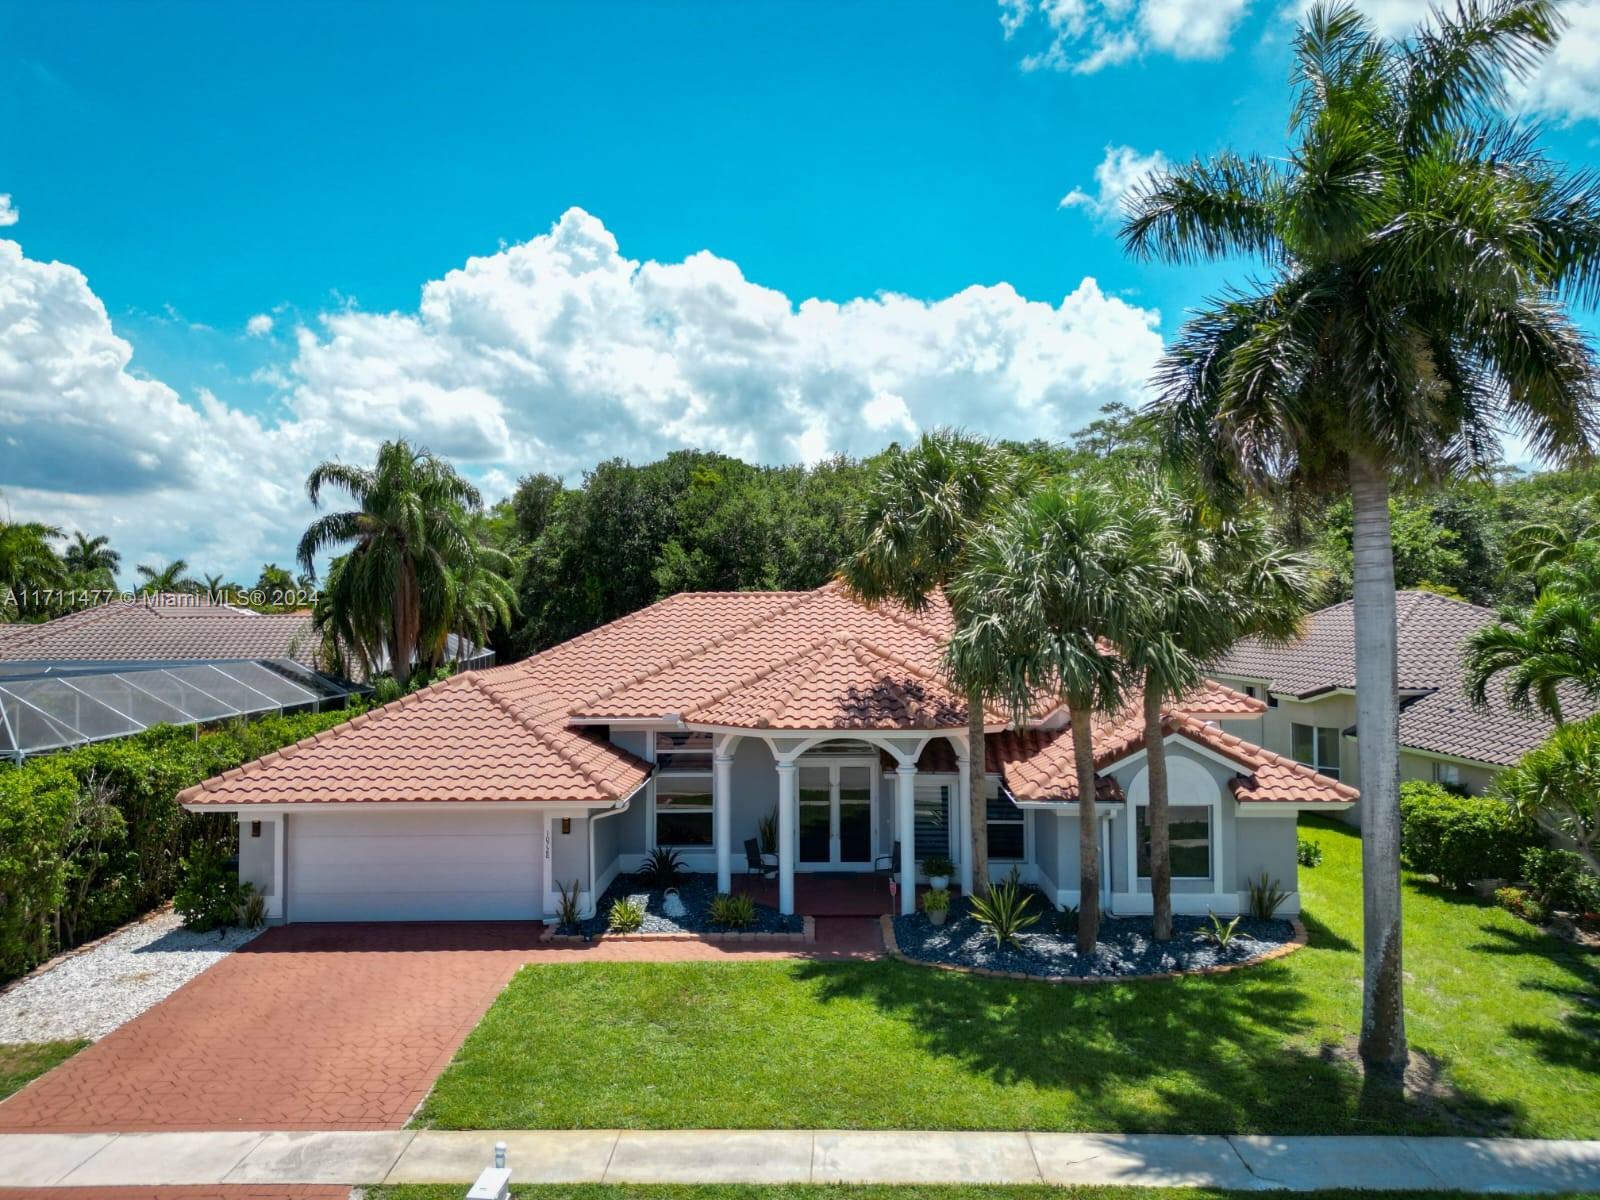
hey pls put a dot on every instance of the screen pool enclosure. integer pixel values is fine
(53, 706)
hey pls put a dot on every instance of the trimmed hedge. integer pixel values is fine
(92, 837)
(1458, 839)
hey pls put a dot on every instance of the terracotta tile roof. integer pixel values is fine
(166, 628)
(1432, 633)
(752, 660)
(455, 740)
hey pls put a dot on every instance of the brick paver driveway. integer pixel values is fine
(328, 1027)
(307, 1027)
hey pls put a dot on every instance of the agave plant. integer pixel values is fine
(1004, 912)
(662, 867)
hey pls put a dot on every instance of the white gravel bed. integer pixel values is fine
(93, 992)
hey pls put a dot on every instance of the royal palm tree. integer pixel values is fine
(409, 532)
(163, 580)
(916, 525)
(1048, 591)
(1226, 577)
(91, 557)
(1419, 249)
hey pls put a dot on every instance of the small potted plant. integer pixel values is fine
(938, 871)
(937, 905)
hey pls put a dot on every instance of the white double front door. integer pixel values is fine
(837, 814)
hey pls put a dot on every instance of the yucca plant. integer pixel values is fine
(662, 867)
(567, 914)
(1266, 897)
(1004, 912)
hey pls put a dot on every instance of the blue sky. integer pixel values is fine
(316, 166)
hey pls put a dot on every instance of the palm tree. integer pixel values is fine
(483, 600)
(29, 566)
(916, 525)
(409, 531)
(162, 580)
(1541, 648)
(1226, 577)
(1559, 782)
(91, 557)
(1060, 579)
(1419, 249)
(1533, 548)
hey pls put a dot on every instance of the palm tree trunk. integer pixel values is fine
(978, 793)
(1088, 831)
(407, 623)
(1155, 758)
(1383, 1026)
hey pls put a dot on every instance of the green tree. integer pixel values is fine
(1559, 782)
(1419, 249)
(391, 594)
(92, 559)
(1047, 591)
(1224, 577)
(164, 579)
(916, 526)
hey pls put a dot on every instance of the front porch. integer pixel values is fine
(830, 895)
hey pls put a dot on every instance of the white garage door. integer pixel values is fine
(413, 866)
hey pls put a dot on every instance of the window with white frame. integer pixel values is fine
(683, 789)
(1444, 772)
(1316, 746)
(1007, 840)
(1188, 840)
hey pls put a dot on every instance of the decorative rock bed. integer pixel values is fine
(696, 893)
(1126, 949)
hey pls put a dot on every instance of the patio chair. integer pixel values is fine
(756, 864)
(888, 864)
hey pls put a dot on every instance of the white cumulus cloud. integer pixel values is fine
(1118, 173)
(1085, 36)
(547, 355)
(8, 213)
(259, 325)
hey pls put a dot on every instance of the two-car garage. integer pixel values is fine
(413, 864)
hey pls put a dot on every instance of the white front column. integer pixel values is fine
(722, 818)
(906, 826)
(963, 821)
(786, 833)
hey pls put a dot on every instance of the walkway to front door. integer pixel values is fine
(833, 894)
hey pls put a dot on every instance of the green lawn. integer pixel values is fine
(1496, 1005)
(22, 1062)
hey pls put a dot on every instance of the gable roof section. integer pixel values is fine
(455, 740)
(1432, 633)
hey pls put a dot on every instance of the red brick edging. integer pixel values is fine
(806, 938)
(1289, 947)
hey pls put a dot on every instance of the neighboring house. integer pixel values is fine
(687, 723)
(118, 668)
(1309, 687)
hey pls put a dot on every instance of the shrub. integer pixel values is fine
(1515, 900)
(1561, 880)
(1004, 911)
(627, 915)
(92, 837)
(662, 867)
(733, 912)
(1458, 839)
(938, 866)
(1309, 853)
(1266, 897)
(1222, 932)
(567, 912)
(1067, 921)
(253, 914)
(936, 900)
(210, 895)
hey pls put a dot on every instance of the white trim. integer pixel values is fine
(1189, 743)
(1435, 755)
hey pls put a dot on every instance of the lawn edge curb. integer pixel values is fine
(806, 937)
(892, 947)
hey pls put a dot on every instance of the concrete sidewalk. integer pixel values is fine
(800, 1156)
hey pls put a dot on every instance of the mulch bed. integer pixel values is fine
(1125, 950)
(696, 892)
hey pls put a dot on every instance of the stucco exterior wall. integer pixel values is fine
(569, 853)
(1420, 766)
(257, 861)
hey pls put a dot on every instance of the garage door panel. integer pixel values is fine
(411, 866)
